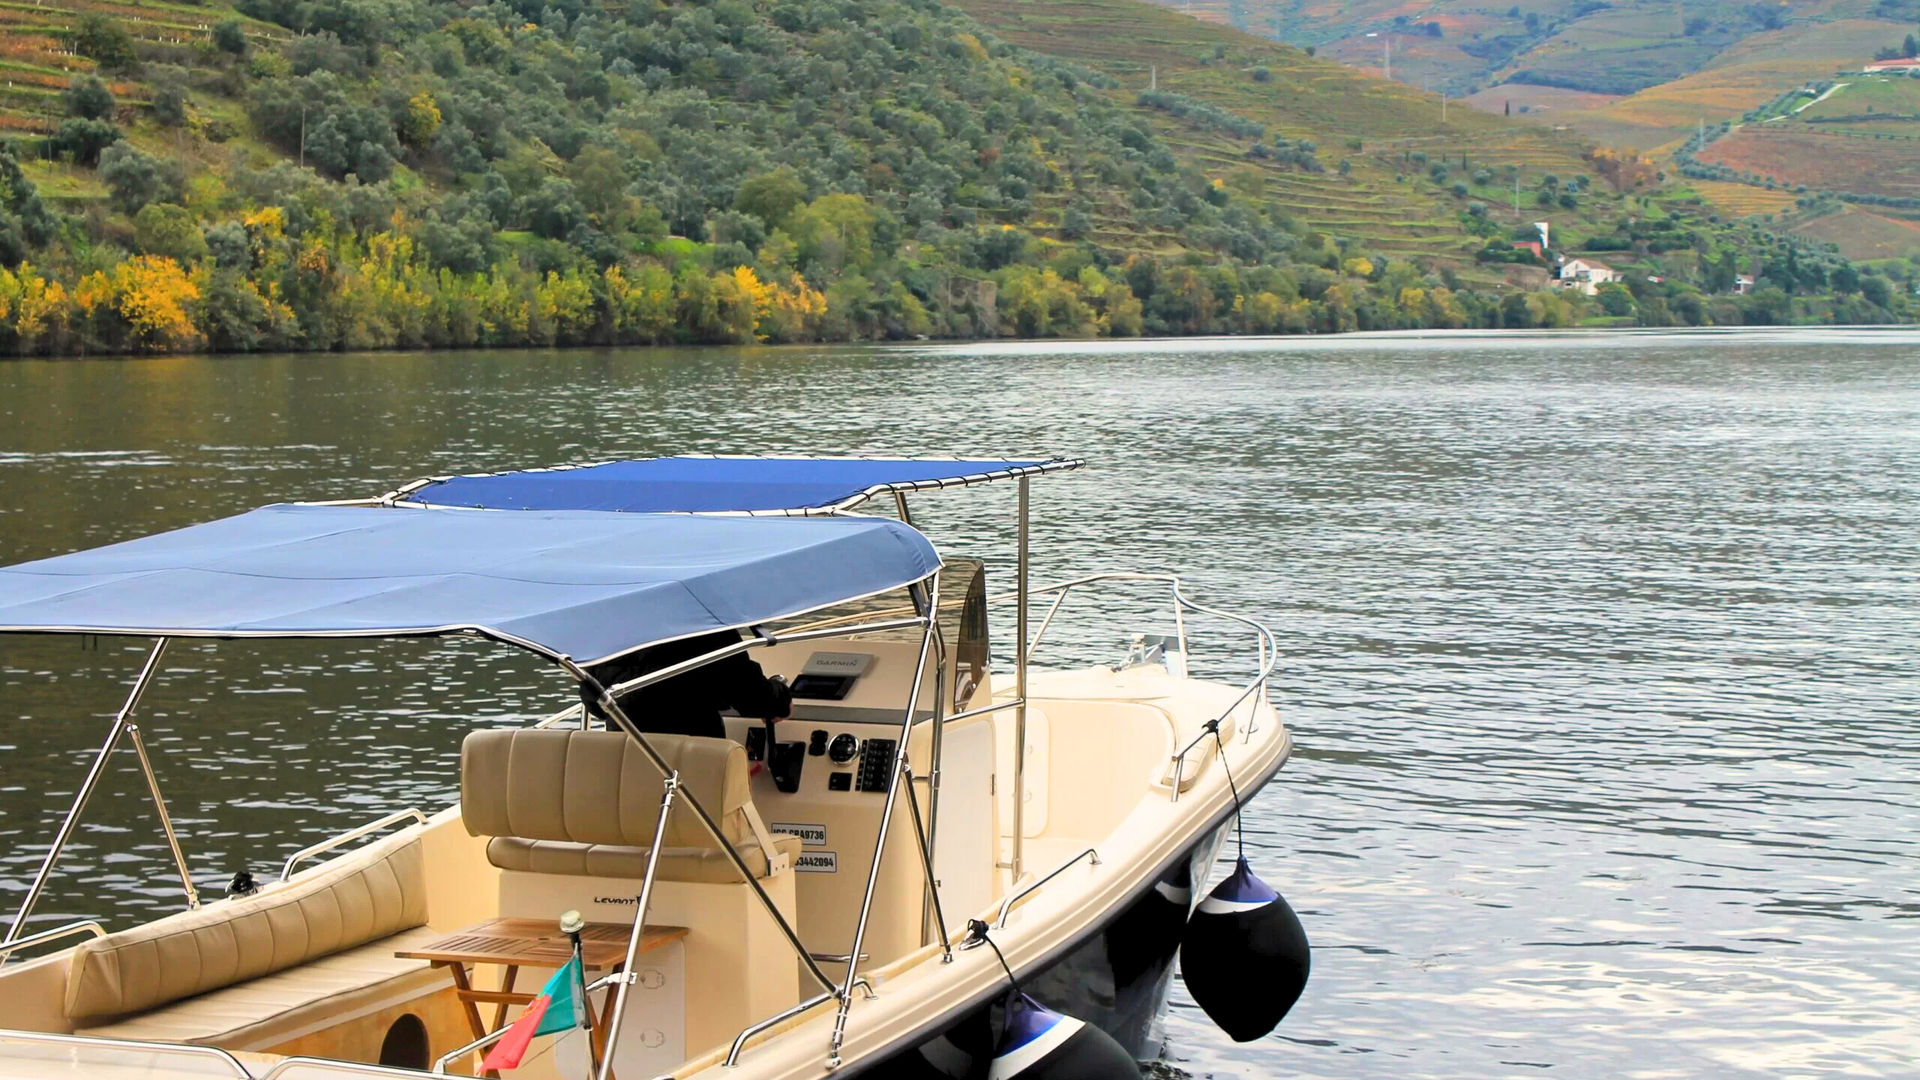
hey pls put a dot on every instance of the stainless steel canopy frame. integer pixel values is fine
(122, 724)
(400, 497)
(925, 596)
(926, 600)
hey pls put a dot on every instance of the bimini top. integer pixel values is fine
(714, 485)
(575, 583)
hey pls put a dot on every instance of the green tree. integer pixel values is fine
(135, 179)
(1721, 274)
(169, 230)
(1615, 299)
(83, 140)
(1690, 308)
(25, 222)
(169, 106)
(230, 37)
(87, 98)
(835, 232)
(1514, 312)
(1877, 290)
(772, 197)
(106, 43)
(600, 181)
(1770, 306)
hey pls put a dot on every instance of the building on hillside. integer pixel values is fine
(1533, 246)
(1742, 284)
(1586, 275)
(1897, 65)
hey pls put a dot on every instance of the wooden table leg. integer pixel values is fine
(461, 986)
(506, 987)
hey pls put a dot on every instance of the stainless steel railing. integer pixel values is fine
(1267, 650)
(212, 1053)
(1006, 906)
(349, 837)
(56, 933)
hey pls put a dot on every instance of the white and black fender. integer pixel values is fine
(1037, 1044)
(1245, 956)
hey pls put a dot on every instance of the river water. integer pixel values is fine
(1599, 651)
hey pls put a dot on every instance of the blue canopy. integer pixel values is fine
(709, 485)
(576, 583)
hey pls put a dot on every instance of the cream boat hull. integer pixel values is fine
(1108, 776)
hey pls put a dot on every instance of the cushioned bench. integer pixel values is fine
(585, 803)
(273, 1009)
(278, 959)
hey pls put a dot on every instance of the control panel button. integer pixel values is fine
(840, 781)
(876, 764)
(843, 748)
(817, 742)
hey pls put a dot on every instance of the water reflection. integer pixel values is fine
(1599, 651)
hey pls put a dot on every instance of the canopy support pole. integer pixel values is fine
(931, 833)
(92, 781)
(166, 820)
(1020, 691)
(671, 788)
(926, 602)
(740, 866)
(933, 884)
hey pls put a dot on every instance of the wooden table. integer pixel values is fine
(512, 943)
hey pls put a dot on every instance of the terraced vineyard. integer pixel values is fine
(1744, 200)
(1864, 235)
(1825, 160)
(38, 57)
(1384, 131)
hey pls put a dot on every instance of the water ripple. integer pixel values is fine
(1599, 652)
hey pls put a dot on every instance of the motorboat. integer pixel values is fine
(943, 863)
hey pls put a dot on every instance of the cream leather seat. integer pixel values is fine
(570, 815)
(585, 803)
(274, 1009)
(250, 972)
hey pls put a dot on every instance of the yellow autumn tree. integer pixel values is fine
(31, 306)
(759, 294)
(564, 311)
(795, 313)
(151, 294)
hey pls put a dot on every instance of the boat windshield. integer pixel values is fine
(962, 617)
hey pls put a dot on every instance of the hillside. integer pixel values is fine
(1846, 151)
(1388, 135)
(1588, 47)
(1651, 77)
(316, 174)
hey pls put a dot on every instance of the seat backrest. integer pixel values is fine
(597, 787)
(372, 893)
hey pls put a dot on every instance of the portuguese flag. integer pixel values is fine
(560, 1006)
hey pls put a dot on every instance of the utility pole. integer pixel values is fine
(1386, 53)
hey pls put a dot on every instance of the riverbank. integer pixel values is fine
(1607, 338)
